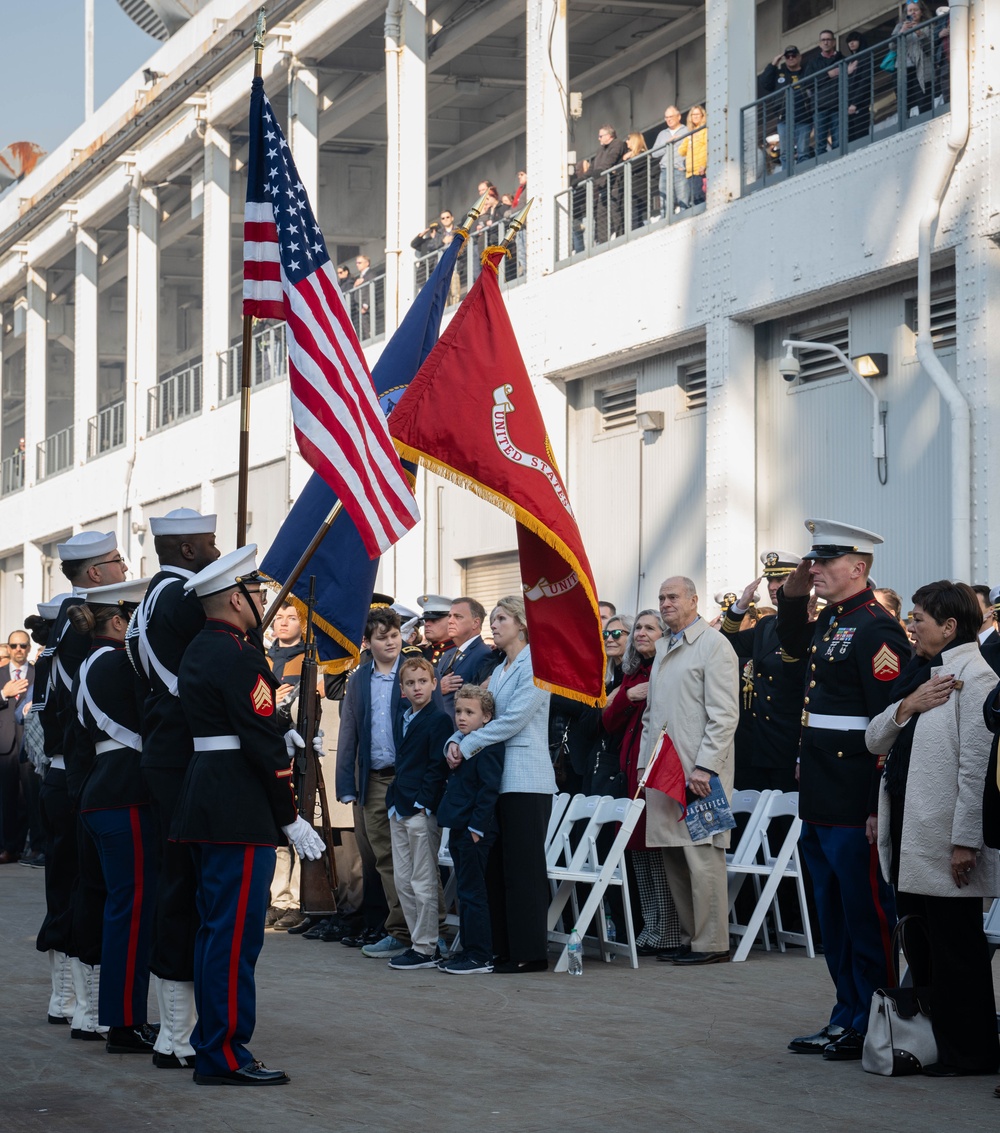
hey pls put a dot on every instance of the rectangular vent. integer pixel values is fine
(819, 364)
(944, 318)
(617, 406)
(694, 383)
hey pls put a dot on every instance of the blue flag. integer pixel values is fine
(345, 575)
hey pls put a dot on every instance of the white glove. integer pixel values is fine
(292, 741)
(307, 843)
(318, 743)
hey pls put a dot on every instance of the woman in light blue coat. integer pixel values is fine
(515, 875)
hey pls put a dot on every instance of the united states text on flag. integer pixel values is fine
(287, 274)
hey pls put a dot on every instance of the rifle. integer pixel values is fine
(318, 880)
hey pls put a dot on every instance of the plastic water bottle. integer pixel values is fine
(611, 932)
(574, 950)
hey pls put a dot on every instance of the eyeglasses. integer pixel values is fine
(261, 594)
(615, 633)
(118, 560)
(791, 55)
(16, 645)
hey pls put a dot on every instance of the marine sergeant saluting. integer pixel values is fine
(236, 805)
(855, 652)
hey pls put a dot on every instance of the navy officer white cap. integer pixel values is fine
(129, 592)
(225, 573)
(831, 539)
(434, 605)
(778, 563)
(87, 545)
(50, 610)
(995, 596)
(182, 521)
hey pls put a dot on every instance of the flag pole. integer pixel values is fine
(516, 224)
(307, 554)
(247, 356)
(649, 766)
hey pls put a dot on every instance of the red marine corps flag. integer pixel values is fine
(470, 415)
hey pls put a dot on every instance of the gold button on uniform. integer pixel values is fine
(812, 684)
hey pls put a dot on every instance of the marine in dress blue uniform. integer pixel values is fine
(114, 808)
(236, 806)
(855, 652)
(165, 623)
(770, 686)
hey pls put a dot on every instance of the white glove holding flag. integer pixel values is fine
(307, 843)
(318, 743)
(292, 741)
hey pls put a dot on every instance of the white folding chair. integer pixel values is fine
(754, 805)
(991, 925)
(588, 868)
(561, 853)
(776, 867)
(559, 804)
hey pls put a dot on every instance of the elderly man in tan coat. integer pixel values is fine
(693, 693)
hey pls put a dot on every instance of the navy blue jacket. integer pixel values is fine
(354, 742)
(470, 795)
(421, 767)
(466, 664)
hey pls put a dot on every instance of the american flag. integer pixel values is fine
(287, 274)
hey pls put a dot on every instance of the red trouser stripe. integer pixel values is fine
(133, 928)
(234, 956)
(883, 924)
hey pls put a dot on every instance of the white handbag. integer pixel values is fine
(900, 1038)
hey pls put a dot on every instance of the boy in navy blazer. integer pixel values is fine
(412, 799)
(467, 808)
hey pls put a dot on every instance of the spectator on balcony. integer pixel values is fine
(361, 303)
(344, 277)
(694, 150)
(493, 212)
(665, 152)
(914, 52)
(432, 237)
(859, 87)
(825, 75)
(784, 72)
(578, 206)
(608, 212)
(522, 184)
(637, 156)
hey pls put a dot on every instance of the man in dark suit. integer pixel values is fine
(989, 636)
(15, 679)
(459, 665)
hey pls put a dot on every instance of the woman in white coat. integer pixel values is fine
(516, 878)
(930, 823)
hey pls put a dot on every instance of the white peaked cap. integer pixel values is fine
(226, 572)
(87, 545)
(182, 521)
(50, 610)
(129, 592)
(831, 539)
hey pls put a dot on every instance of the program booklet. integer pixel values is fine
(710, 815)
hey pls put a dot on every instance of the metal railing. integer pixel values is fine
(633, 198)
(469, 263)
(54, 454)
(174, 398)
(269, 362)
(366, 306)
(106, 431)
(896, 84)
(12, 474)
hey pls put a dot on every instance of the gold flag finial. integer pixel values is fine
(472, 215)
(516, 223)
(258, 36)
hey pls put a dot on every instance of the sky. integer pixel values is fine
(41, 82)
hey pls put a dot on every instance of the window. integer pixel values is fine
(944, 318)
(617, 406)
(818, 364)
(693, 381)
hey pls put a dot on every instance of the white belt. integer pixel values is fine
(107, 745)
(834, 723)
(216, 743)
(58, 762)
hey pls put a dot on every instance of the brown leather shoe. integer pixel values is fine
(7, 858)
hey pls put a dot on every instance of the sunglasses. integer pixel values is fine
(15, 645)
(615, 633)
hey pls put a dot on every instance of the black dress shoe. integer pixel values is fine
(673, 953)
(307, 925)
(521, 967)
(253, 1074)
(817, 1043)
(88, 1036)
(334, 931)
(366, 936)
(702, 958)
(173, 1061)
(848, 1048)
(131, 1040)
(58, 1020)
(312, 931)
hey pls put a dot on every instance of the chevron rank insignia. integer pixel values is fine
(262, 698)
(885, 664)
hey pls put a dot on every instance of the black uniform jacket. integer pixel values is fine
(164, 626)
(235, 794)
(108, 695)
(773, 683)
(54, 675)
(855, 652)
(470, 795)
(991, 790)
(421, 767)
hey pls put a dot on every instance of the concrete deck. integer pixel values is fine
(368, 1048)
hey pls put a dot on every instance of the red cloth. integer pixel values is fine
(666, 773)
(625, 717)
(471, 416)
(516, 198)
